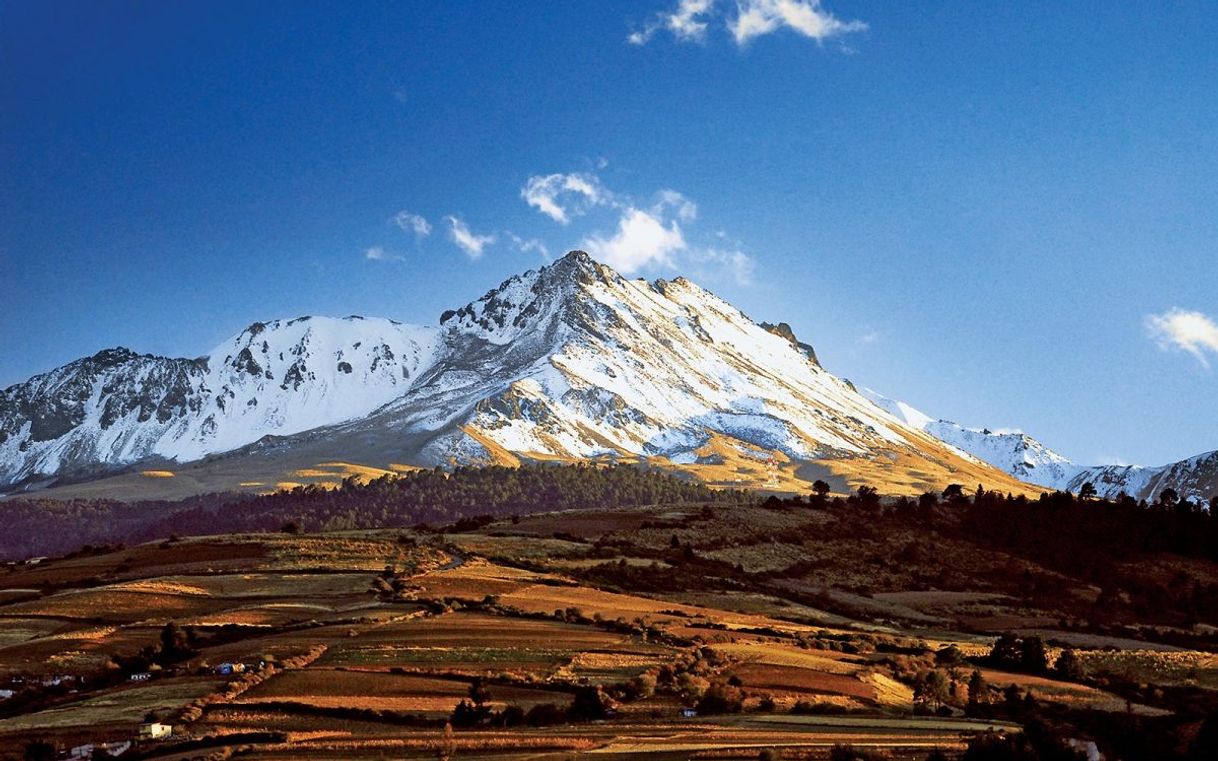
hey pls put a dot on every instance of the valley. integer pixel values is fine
(690, 630)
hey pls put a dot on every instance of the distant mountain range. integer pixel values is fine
(1029, 460)
(570, 362)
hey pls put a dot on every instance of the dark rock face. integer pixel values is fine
(122, 382)
(783, 330)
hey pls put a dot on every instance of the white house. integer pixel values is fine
(155, 730)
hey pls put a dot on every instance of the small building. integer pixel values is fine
(6, 694)
(689, 713)
(154, 730)
(82, 751)
(141, 676)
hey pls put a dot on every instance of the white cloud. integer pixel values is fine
(648, 235)
(686, 210)
(529, 245)
(412, 223)
(547, 191)
(469, 242)
(643, 239)
(871, 337)
(807, 17)
(734, 264)
(1194, 332)
(379, 254)
(687, 22)
(690, 19)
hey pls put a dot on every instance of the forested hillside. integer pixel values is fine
(45, 527)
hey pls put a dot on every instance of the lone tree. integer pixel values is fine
(1169, 497)
(934, 687)
(978, 690)
(1033, 657)
(1087, 491)
(821, 489)
(1068, 665)
(953, 493)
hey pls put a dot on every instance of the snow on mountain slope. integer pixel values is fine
(584, 363)
(282, 377)
(1029, 460)
(568, 362)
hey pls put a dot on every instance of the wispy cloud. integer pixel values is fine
(732, 263)
(685, 209)
(527, 245)
(690, 20)
(1194, 332)
(379, 254)
(412, 223)
(561, 196)
(468, 241)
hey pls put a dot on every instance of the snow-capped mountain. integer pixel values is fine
(282, 377)
(1029, 460)
(572, 361)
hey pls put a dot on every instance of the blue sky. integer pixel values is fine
(1003, 213)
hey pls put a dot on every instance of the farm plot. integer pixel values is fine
(16, 630)
(119, 603)
(1155, 666)
(475, 579)
(1068, 693)
(475, 643)
(270, 585)
(608, 667)
(774, 654)
(380, 690)
(125, 705)
(73, 649)
(348, 553)
(791, 681)
(543, 598)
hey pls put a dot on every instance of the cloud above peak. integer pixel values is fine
(690, 19)
(643, 239)
(561, 196)
(1191, 331)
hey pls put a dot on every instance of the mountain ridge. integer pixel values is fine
(568, 362)
(1028, 459)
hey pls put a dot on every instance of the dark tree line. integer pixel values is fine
(1068, 530)
(47, 527)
